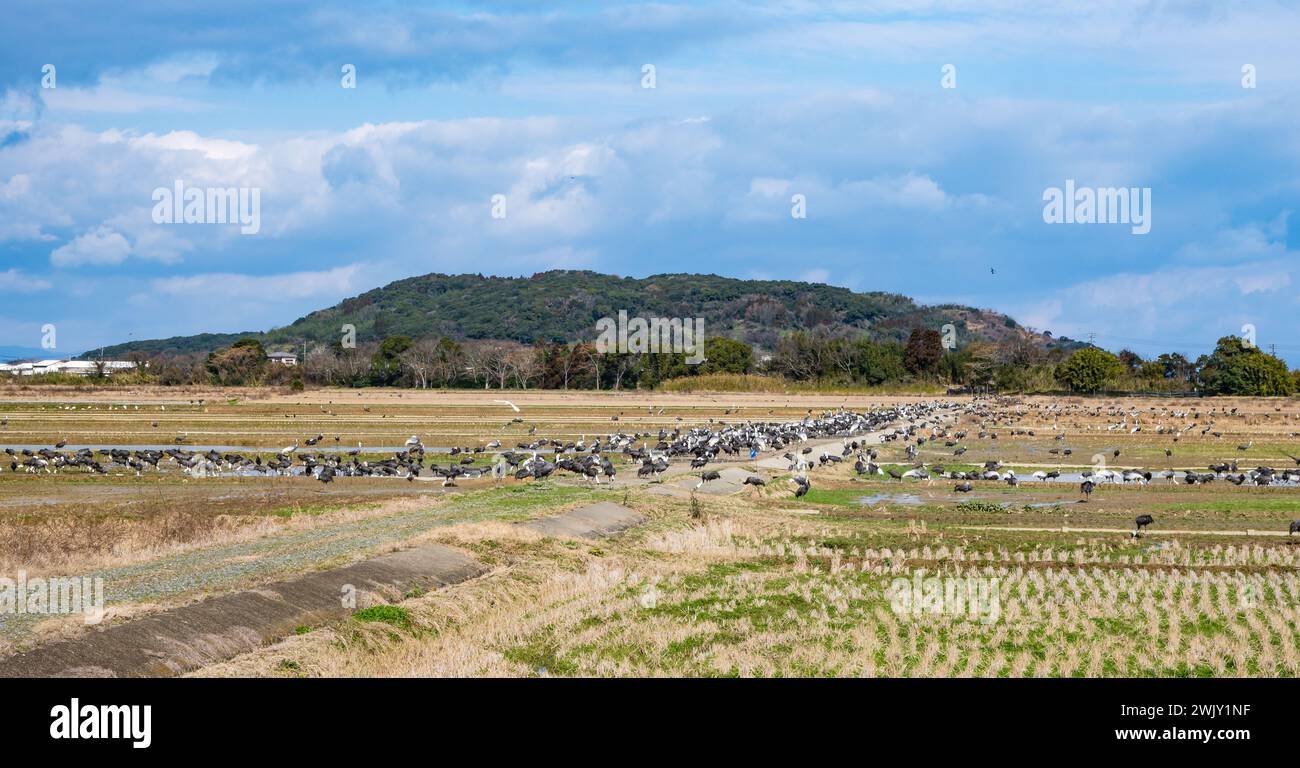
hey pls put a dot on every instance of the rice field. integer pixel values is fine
(863, 576)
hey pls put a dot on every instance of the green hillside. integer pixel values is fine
(565, 305)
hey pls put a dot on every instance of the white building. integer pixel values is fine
(74, 367)
(283, 358)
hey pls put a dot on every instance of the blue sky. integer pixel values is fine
(911, 187)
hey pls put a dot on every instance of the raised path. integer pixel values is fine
(181, 639)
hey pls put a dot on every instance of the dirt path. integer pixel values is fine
(592, 521)
(181, 639)
(218, 628)
(241, 564)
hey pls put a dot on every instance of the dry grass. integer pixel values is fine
(73, 540)
(757, 584)
(758, 592)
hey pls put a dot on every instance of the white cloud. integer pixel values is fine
(764, 187)
(100, 246)
(1169, 308)
(114, 98)
(216, 286)
(189, 141)
(909, 190)
(14, 280)
(1262, 282)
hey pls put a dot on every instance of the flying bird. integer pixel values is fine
(507, 402)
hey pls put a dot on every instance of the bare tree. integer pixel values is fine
(491, 360)
(621, 364)
(450, 362)
(567, 362)
(421, 358)
(592, 357)
(845, 356)
(1019, 349)
(526, 364)
(476, 357)
(797, 357)
(139, 359)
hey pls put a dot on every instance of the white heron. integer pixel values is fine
(507, 402)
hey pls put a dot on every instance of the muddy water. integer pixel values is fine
(913, 500)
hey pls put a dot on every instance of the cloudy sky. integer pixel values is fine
(910, 186)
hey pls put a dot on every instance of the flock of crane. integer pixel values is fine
(914, 435)
(652, 452)
(862, 435)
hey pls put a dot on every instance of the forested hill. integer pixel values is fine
(565, 305)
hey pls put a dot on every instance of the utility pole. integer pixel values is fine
(1092, 338)
(1272, 350)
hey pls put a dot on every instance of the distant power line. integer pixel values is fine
(1208, 345)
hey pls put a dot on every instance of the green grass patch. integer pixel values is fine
(541, 655)
(393, 615)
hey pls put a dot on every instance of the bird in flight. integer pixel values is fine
(507, 402)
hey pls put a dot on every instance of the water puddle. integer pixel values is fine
(906, 499)
(913, 500)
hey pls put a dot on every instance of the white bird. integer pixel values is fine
(412, 441)
(507, 402)
(288, 450)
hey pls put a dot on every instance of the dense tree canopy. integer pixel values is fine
(386, 364)
(1238, 368)
(1089, 370)
(924, 349)
(727, 356)
(565, 305)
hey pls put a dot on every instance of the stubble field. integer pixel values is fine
(723, 580)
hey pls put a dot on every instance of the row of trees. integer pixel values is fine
(1233, 368)
(405, 362)
(1017, 363)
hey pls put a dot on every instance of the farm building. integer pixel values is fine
(73, 367)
